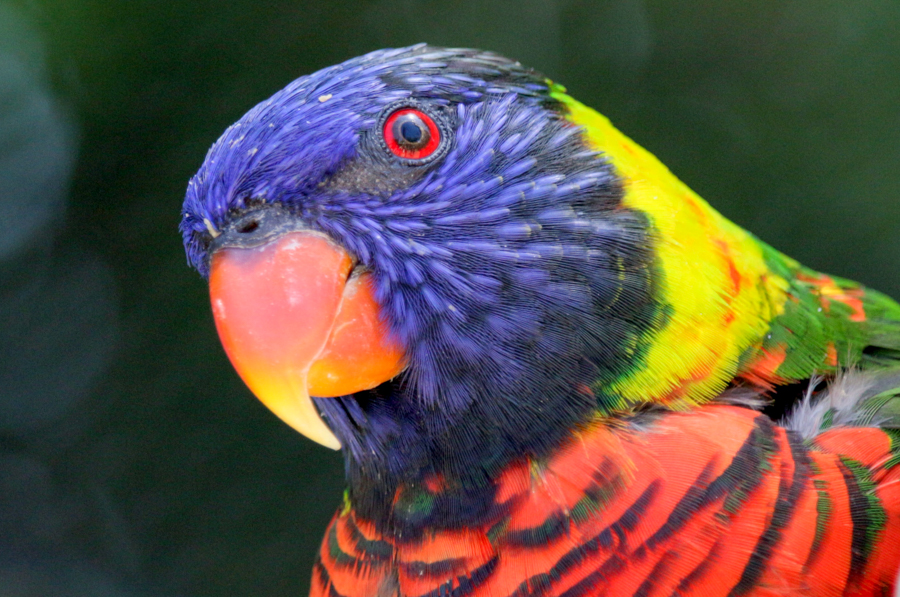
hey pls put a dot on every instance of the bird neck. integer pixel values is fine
(715, 282)
(435, 501)
(406, 470)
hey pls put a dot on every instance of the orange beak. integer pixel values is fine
(295, 324)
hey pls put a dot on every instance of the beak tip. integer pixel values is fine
(289, 400)
(336, 445)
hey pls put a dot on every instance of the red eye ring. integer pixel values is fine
(411, 134)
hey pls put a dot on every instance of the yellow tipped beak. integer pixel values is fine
(294, 324)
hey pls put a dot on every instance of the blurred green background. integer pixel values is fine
(132, 459)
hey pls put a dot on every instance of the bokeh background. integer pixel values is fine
(132, 459)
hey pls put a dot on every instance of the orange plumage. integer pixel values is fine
(662, 504)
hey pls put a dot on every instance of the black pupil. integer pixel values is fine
(411, 132)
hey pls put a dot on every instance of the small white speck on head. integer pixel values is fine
(210, 228)
(325, 98)
(252, 151)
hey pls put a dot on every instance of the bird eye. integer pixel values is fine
(411, 134)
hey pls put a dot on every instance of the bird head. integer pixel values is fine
(421, 241)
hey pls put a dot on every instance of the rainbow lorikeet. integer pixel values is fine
(553, 369)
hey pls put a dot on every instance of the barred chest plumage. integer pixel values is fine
(662, 503)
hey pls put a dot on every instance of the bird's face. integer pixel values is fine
(421, 239)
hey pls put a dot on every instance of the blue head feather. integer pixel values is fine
(507, 266)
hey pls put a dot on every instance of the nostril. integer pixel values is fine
(248, 227)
